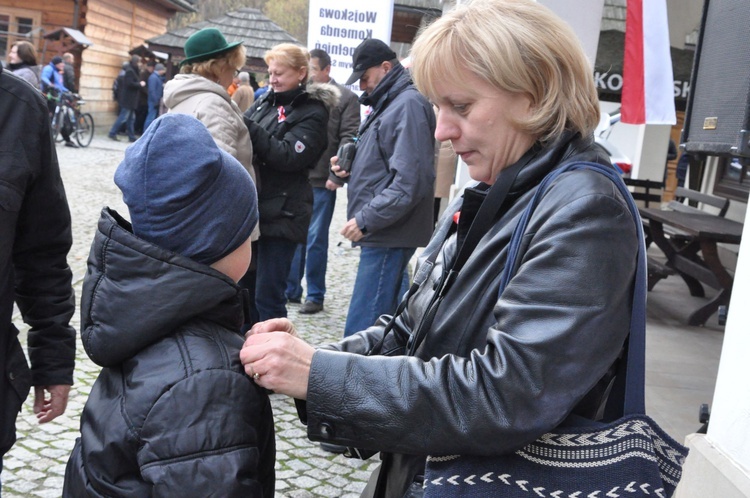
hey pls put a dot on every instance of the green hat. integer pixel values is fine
(206, 44)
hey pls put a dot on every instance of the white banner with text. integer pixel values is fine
(337, 28)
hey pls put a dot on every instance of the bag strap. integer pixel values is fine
(488, 211)
(630, 379)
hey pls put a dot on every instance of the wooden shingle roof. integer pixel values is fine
(256, 32)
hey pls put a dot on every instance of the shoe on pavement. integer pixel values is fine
(71, 144)
(311, 307)
(113, 137)
(333, 448)
(131, 140)
(294, 300)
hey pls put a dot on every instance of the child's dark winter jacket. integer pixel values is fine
(172, 412)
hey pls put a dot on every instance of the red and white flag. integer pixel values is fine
(648, 83)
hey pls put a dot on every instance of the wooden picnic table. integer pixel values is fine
(695, 257)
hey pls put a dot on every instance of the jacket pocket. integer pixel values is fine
(17, 373)
(274, 207)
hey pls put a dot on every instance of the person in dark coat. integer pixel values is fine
(127, 98)
(35, 239)
(141, 106)
(288, 127)
(172, 412)
(311, 261)
(389, 207)
(69, 72)
(496, 368)
(155, 93)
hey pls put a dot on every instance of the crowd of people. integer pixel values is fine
(53, 79)
(230, 196)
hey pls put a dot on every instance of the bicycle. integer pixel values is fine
(68, 113)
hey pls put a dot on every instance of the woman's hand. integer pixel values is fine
(276, 358)
(273, 325)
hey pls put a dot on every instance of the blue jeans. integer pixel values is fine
(313, 266)
(152, 114)
(274, 259)
(126, 116)
(379, 280)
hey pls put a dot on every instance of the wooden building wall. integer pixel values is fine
(115, 27)
(55, 13)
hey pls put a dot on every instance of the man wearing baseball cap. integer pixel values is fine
(391, 183)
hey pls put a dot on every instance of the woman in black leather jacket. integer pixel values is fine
(288, 130)
(495, 369)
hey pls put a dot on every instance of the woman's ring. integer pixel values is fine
(256, 376)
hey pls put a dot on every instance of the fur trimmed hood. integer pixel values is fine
(326, 93)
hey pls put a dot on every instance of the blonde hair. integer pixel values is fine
(517, 46)
(212, 68)
(290, 55)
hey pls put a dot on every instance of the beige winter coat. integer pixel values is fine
(210, 103)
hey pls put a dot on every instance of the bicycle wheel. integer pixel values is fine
(84, 129)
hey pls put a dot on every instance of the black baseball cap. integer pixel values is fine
(369, 53)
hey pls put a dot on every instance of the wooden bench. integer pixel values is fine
(645, 192)
(697, 262)
(656, 271)
(695, 197)
(688, 202)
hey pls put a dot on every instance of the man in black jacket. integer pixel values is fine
(36, 237)
(127, 96)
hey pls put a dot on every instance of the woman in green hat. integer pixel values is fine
(200, 91)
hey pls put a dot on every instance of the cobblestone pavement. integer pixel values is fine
(35, 466)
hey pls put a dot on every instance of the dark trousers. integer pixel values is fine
(127, 117)
(312, 261)
(268, 282)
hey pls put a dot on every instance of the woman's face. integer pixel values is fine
(13, 57)
(283, 78)
(226, 77)
(476, 118)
